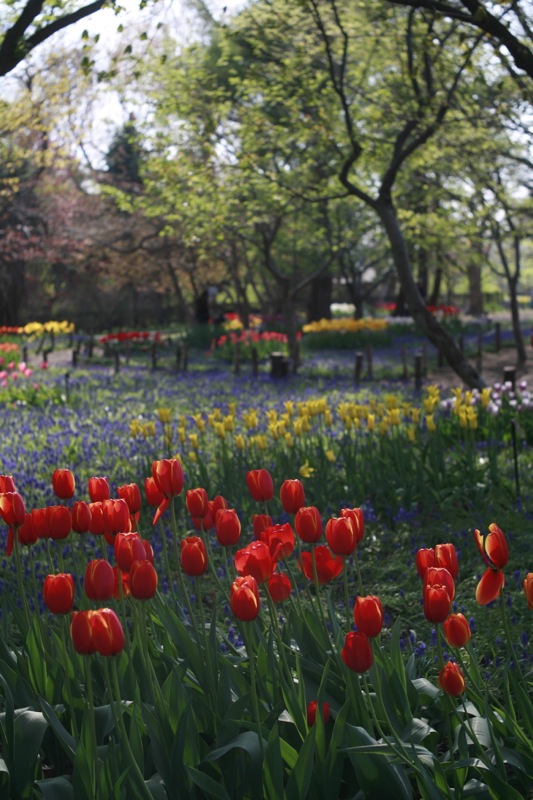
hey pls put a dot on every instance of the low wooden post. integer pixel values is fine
(509, 376)
(497, 336)
(25, 354)
(369, 366)
(418, 371)
(75, 355)
(67, 386)
(358, 367)
(179, 355)
(279, 365)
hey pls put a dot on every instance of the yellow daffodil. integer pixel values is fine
(306, 471)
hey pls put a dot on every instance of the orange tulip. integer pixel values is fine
(451, 679)
(490, 586)
(244, 598)
(528, 589)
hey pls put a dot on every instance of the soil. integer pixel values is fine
(492, 370)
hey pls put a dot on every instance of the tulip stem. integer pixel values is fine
(167, 562)
(68, 688)
(358, 571)
(90, 704)
(122, 728)
(346, 594)
(249, 642)
(22, 592)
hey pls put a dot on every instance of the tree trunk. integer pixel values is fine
(434, 295)
(436, 334)
(521, 355)
(474, 284)
(319, 306)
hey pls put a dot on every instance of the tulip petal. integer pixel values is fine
(490, 586)
(161, 510)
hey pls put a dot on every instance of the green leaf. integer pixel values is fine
(84, 773)
(302, 771)
(375, 773)
(211, 787)
(67, 741)
(273, 766)
(57, 788)
(29, 727)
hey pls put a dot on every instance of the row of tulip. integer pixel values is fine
(314, 690)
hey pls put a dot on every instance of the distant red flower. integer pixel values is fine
(292, 495)
(255, 559)
(357, 652)
(244, 598)
(312, 708)
(64, 483)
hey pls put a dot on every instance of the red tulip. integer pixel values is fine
(197, 501)
(99, 581)
(59, 522)
(358, 521)
(64, 483)
(280, 541)
(437, 603)
(12, 509)
(128, 548)
(244, 598)
(193, 556)
(107, 633)
(440, 576)
(328, 566)
(357, 652)
(99, 489)
(255, 560)
(368, 615)
(58, 592)
(312, 709)
(528, 589)
(493, 547)
(97, 522)
(446, 556)
(81, 632)
(425, 557)
(116, 518)
(26, 532)
(451, 679)
(457, 630)
(7, 484)
(132, 495)
(119, 578)
(292, 495)
(260, 485)
(143, 580)
(148, 550)
(227, 527)
(40, 521)
(218, 503)
(81, 517)
(168, 476)
(490, 586)
(340, 535)
(260, 522)
(206, 522)
(308, 524)
(279, 587)
(153, 496)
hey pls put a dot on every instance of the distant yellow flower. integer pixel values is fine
(233, 408)
(193, 456)
(164, 415)
(148, 429)
(430, 423)
(415, 415)
(384, 427)
(193, 440)
(306, 471)
(394, 416)
(181, 434)
(371, 422)
(240, 442)
(250, 419)
(135, 428)
(485, 396)
(289, 407)
(229, 423)
(328, 419)
(289, 440)
(330, 455)
(220, 430)
(411, 433)
(199, 421)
